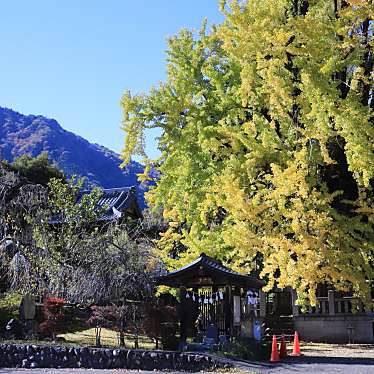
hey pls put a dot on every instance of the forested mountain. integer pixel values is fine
(32, 134)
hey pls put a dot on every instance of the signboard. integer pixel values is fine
(236, 310)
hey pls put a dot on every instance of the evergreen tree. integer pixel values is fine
(36, 170)
(268, 143)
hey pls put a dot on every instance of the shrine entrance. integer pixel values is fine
(209, 306)
(210, 294)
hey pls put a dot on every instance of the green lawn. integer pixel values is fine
(108, 339)
(86, 337)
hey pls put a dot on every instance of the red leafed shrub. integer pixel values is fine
(160, 323)
(110, 316)
(53, 314)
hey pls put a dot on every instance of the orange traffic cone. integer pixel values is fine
(296, 345)
(283, 348)
(274, 357)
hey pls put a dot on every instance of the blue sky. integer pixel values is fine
(71, 60)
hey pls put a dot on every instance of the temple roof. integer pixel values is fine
(119, 202)
(206, 271)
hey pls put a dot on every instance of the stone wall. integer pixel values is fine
(34, 356)
(333, 329)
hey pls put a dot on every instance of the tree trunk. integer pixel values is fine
(122, 339)
(98, 336)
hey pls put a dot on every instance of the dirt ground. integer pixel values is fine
(319, 358)
(337, 350)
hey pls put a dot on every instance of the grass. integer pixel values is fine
(86, 337)
(108, 339)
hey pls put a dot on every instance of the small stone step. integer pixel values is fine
(278, 326)
(288, 338)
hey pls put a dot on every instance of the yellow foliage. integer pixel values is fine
(268, 144)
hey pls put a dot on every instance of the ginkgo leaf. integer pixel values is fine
(267, 144)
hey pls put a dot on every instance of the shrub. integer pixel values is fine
(9, 308)
(104, 316)
(247, 349)
(160, 323)
(54, 316)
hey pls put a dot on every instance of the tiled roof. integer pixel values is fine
(211, 266)
(117, 202)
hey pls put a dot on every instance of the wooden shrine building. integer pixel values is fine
(212, 294)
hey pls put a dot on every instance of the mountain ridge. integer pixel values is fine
(33, 134)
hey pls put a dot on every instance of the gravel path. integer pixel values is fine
(338, 350)
(314, 365)
(322, 358)
(75, 371)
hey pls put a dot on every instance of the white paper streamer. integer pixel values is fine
(205, 298)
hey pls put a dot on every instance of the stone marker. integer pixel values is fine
(27, 307)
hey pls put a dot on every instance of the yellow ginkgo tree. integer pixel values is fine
(267, 143)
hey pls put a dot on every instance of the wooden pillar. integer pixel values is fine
(182, 315)
(228, 311)
(262, 303)
(295, 308)
(214, 309)
(331, 298)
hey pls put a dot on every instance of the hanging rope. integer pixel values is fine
(205, 298)
(252, 297)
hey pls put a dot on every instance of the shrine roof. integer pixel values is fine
(118, 202)
(206, 271)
